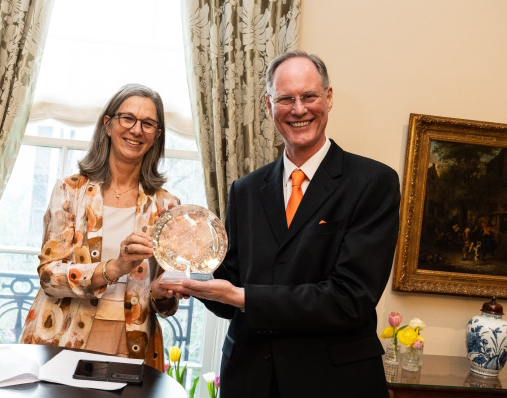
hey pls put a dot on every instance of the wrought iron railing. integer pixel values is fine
(17, 291)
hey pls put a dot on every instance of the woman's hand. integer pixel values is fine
(133, 250)
(160, 292)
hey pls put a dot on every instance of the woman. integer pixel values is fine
(98, 290)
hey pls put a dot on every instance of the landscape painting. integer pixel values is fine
(453, 231)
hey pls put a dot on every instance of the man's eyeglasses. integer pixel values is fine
(128, 121)
(288, 100)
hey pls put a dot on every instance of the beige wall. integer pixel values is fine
(390, 58)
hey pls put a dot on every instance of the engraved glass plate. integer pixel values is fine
(189, 242)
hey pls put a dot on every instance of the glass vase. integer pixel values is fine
(391, 372)
(392, 355)
(411, 360)
(420, 353)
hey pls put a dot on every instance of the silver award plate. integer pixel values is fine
(189, 242)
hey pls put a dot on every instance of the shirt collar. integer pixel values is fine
(309, 167)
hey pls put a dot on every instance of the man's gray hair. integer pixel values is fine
(276, 62)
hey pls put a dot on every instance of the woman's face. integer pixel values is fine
(130, 144)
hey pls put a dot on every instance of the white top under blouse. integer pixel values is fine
(118, 223)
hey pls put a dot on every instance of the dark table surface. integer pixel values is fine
(447, 374)
(156, 384)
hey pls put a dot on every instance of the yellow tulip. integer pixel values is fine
(387, 333)
(407, 336)
(174, 354)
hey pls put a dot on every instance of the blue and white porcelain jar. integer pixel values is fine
(487, 340)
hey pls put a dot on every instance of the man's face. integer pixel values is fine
(302, 123)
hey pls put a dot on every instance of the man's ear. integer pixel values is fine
(329, 98)
(269, 105)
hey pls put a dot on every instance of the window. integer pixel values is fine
(60, 128)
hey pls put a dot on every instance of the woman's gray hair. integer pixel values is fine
(95, 164)
(276, 62)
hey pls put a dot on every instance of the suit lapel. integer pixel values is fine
(323, 184)
(321, 187)
(272, 200)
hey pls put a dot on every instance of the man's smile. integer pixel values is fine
(299, 124)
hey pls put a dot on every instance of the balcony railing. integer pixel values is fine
(17, 291)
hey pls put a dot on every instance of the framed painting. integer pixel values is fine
(453, 213)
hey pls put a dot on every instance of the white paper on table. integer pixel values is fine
(60, 369)
(16, 368)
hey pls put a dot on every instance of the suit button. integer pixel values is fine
(267, 357)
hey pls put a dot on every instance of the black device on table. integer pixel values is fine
(118, 372)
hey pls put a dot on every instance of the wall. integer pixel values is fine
(390, 58)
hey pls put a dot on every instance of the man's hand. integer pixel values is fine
(216, 290)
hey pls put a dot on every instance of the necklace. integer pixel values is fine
(121, 193)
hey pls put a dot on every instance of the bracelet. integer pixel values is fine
(104, 275)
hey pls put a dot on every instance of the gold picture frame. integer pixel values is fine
(453, 212)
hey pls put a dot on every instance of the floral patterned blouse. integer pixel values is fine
(63, 311)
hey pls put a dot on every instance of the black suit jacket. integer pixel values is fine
(311, 289)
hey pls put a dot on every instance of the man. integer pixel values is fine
(302, 297)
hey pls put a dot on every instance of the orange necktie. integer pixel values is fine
(298, 176)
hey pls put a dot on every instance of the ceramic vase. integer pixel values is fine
(479, 381)
(486, 340)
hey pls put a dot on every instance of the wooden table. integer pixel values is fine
(155, 385)
(444, 377)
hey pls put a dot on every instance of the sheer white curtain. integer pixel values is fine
(104, 45)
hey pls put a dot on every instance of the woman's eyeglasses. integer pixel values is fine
(128, 120)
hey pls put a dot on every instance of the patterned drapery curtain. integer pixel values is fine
(228, 45)
(23, 30)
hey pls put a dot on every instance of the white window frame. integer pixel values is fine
(214, 328)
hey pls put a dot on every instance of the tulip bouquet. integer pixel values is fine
(175, 357)
(410, 334)
(391, 331)
(213, 383)
(415, 342)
